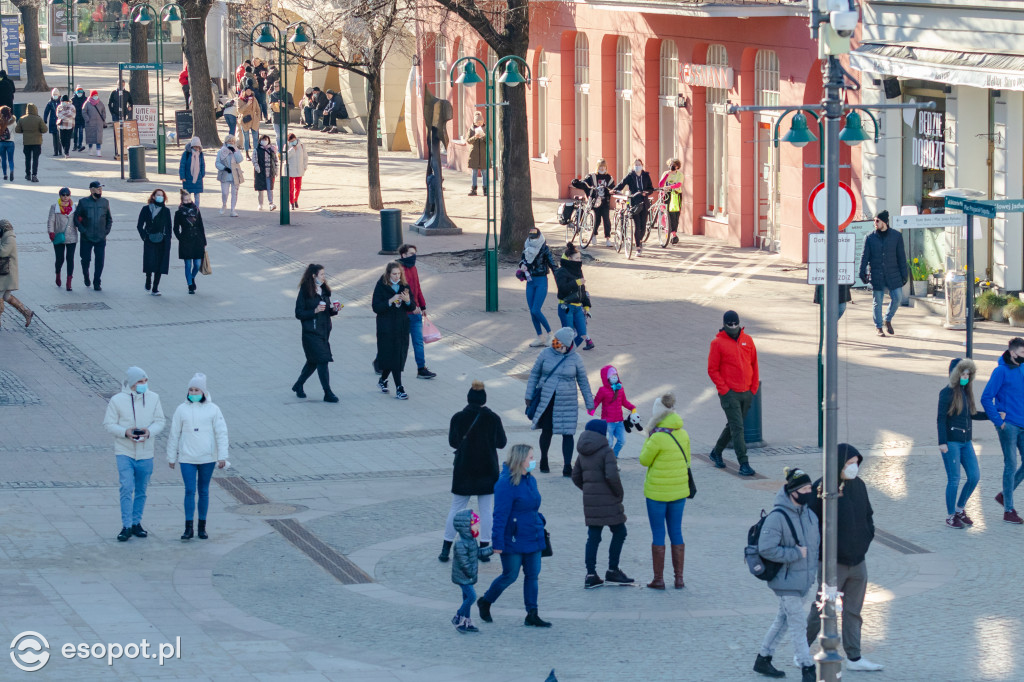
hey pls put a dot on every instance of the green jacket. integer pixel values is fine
(31, 126)
(667, 477)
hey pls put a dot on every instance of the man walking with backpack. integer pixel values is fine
(789, 536)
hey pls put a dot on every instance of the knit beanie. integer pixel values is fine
(566, 336)
(795, 479)
(477, 395)
(198, 380)
(730, 317)
(597, 426)
(884, 217)
(195, 142)
(134, 375)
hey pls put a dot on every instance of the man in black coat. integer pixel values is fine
(856, 530)
(7, 90)
(120, 104)
(318, 107)
(886, 258)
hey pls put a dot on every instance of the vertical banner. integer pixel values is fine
(11, 45)
(146, 118)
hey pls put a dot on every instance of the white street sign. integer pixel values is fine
(146, 116)
(905, 222)
(816, 259)
(70, 37)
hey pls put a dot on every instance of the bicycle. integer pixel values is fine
(623, 224)
(582, 220)
(658, 219)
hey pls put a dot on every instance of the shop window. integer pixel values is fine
(623, 104)
(924, 172)
(541, 93)
(718, 148)
(582, 103)
(667, 112)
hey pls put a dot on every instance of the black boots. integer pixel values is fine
(446, 550)
(201, 532)
(544, 468)
(485, 610)
(809, 675)
(138, 531)
(125, 534)
(534, 620)
(187, 535)
(297, 387)
(763, 665)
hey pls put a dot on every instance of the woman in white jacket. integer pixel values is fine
(198, 440)
(297, 162)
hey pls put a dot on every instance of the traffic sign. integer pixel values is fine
(985, 209)
(816, 273)
(816, 205)
(905, 222)
(70, 37)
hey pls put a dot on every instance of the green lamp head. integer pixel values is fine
(799, 135)
(469, 75)
(300, 37)
(853, 132)
(171, 15)
(511, 77)
(143, 16)
(266, 37)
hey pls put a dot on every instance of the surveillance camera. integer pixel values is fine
(844, 22)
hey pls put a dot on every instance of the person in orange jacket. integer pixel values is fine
(732, 366)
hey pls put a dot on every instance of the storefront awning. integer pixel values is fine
(976, 69)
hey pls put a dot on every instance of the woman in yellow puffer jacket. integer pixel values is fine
(666, 454)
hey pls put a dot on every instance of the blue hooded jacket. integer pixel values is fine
(1004, 392)
(518, 524)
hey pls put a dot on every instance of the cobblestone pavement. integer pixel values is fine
(321, 563)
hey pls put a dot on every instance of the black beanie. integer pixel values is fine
(795, 479)
(884, 217)
(731, 316)
(477, 395)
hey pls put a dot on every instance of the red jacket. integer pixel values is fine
(732, 365)
(413, 278)
(183, 77)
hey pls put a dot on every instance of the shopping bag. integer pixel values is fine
(430, 332)
(206, 268)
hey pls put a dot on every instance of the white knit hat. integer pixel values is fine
(198, 380)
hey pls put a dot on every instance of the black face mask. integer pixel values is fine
(408, 261)
(734, 332)
(805, 498)
(96, 193)
(574, 267)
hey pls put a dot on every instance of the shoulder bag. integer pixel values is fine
(466, 434)
(206, 268)
(689, 470)
(531, 409)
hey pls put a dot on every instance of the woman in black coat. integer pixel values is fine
(313, 306)
(392, 303)
(154, 228)
(477, 434)
(188, 228)
(264, 164)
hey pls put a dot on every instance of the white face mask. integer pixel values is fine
(396, 278)
(850, 471)
(638, 169)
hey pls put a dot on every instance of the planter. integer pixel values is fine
(997, 316)
(1016, 323)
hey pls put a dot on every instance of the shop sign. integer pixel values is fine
(929, 147)
(706, 76)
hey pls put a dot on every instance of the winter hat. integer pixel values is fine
(5, 225)
(198, 380)
(134, 375)
(566, 336)
(55, 93)
(477, 395)
(730, 317)
(661, 408)
(847, 452)
(884, 217)
(309, 91)
(597, 426)
(94, 93)
(195, 142)
(795, 478)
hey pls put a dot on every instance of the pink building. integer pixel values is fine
(616, 79)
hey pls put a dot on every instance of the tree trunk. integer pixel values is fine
(35, 80)
(204, 117)
(372, 118)
(138, 82)
(516, 186)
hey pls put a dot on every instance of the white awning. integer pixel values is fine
(977, 69)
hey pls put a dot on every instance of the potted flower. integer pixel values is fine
(1014, 312)
(990, 305)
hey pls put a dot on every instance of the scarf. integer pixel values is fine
(574, 268)
(194, 167)
(154, 209)
(532, 248)
(65, 208)
(189, 213)
(236, 172)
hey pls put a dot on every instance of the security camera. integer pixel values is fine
(844, 22)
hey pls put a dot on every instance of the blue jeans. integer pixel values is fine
(7, 156)
(510, 564)
(662, 513)
(957, 455)
(191, 474)
(255, 139)
(416, 332)
(307, 115)
(483, 174)
(192, 266)
(573, 316)
(232, 122)
(79, 135)
(536, 292)
(894, 304)
(618, 431)
(1011, 438)
(134, 478)
(468, 599)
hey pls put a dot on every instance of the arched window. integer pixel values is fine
(668, 90)
(541, 93)
(718, 148)
(440, 85)
(582, 91)
(767, 197)
(766, 78)
(623, 104)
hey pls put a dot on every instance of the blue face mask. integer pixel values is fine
(616, 386)
(964, 381)
(141, 388)
(158, 200)
(531, 466)
(195, 398)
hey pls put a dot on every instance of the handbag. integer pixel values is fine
(689, 471)
(156, 237)
(247, 118)
(675, 202)
(59, 238)
(547, 551)
(531, 409)
(430, 332)
(206, 268)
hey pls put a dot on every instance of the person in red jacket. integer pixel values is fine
(407, 257)
(611, 398)
(732, 366)
(183, 79)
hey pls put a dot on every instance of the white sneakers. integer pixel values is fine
(98, 153)
(273, 207)
(234, 214)
(540, 341)
(863, 665)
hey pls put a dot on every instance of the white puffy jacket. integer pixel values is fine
(198, 435)
(131, 410)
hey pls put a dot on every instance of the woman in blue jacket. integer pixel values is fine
(517, 533)
(192, 169)
(956, 412)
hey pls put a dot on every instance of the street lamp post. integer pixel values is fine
(143, 14)
(510, 77)
(271, 37)
(71, 28)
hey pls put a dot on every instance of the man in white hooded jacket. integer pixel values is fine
(134, 416)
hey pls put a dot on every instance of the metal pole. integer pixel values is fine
(161, 137)
(969, 233)
(491, 247)
(68, 28)
(120, 116)
(282, 109)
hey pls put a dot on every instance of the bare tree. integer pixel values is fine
(138, 81)
(35, 80)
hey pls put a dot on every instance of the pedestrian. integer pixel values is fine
(198, 442)
(884, 266)
(297, 164)
(320, 103)
(183, 81)
(597, 475)
(468, 554)
(92, 215)
(281, 103)
(134, 418)
(601, 184)
(265, 169)
(9, 271)
(7, 126)
(573, 299)
(856, 529)
(640, 188)
(66, 114)
(32, 129)
(956, 413)
(79, 101)
(330, 107)
(60, 227)
(611, 398)
(120, 103)
(407, 258)
(476, 433)
(845, 296)
(732, 366)
(230, 113)
(392, 302)
(154, 227)
(229, 174)
(191, 236)
(95, 115)
(50, 119)
(307, 104)
(477, 138)
(260, 72)
(1004, 395)
(536, 261)
(672, 182)
(192, 169)
(7, 90)
(314, 308)
(249, 110)
(518, 534)
(554, 377)
(240, 71)
(790, 537)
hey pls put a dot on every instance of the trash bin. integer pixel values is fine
(752, 422)
(137, 164)
(19, 109)
(956, 300)
(390, 230)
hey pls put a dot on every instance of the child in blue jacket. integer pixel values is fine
(464, 569)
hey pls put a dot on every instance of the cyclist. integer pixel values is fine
(601, 183)
(672, 180)
(640, 187)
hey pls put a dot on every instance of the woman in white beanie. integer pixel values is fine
(192, 169)
(198, 440)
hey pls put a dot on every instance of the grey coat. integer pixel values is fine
(467, 550)
(95, 118)
(777, 543)
(561, 386)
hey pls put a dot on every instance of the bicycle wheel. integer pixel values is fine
(628, 230)
(652, 218)
(587, 230)
(663, 228)
(570, 230)
(619, 232)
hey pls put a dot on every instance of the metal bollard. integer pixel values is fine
(390, 231)
(137, 164)
(752, 432)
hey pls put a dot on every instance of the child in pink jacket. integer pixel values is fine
(611, 397)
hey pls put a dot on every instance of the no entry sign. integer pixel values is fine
(816, 205)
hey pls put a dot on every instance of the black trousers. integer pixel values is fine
(601, 214)
(65, 140)
(55, 136)
(32, 152)
(59, 253)
(86, 252)
(673, 221)
(546, 424)
(322, 371)
(639, 225)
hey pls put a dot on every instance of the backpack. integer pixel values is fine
(761, 568)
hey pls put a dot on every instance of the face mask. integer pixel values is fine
(141, 388)
(195, 398)
(97, 193)
(732, 331)
(850, 471)
(638, 169)
(320, 280)
(158, 199)
(805, 498)
(55, 97)
(964, 381)
(396, 278)
(80, 93)
(293, 143)
(408, 261)
(264, 143)
(531, 466)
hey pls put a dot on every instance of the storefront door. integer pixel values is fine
(766, 186)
